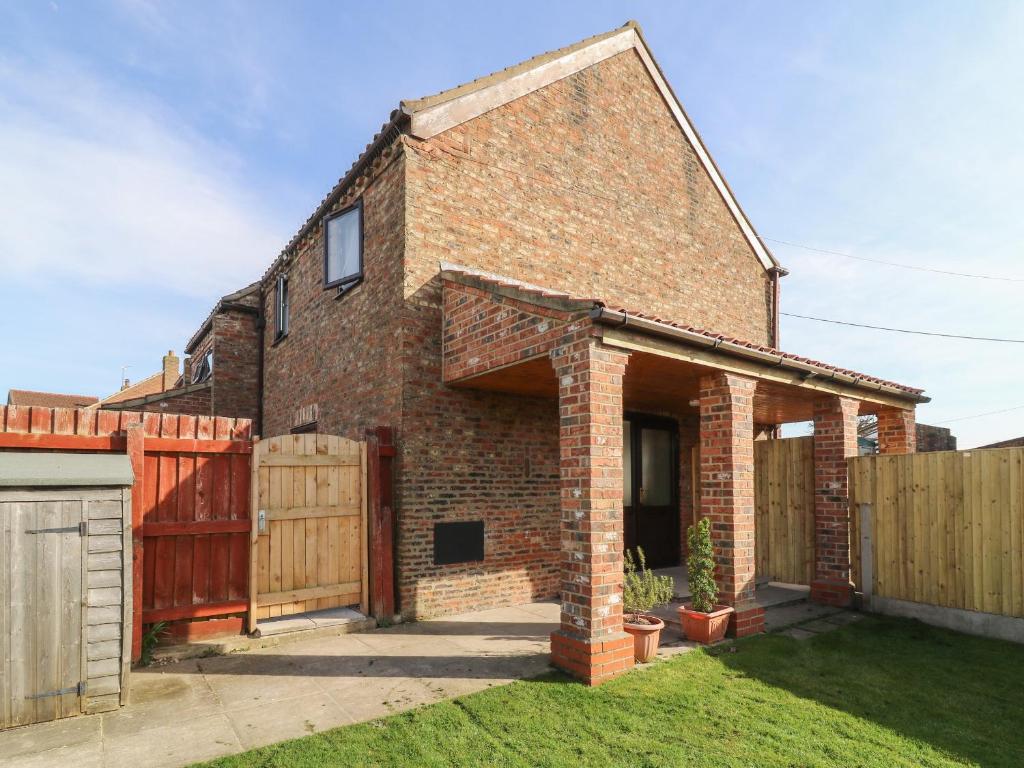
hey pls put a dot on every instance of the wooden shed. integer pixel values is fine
(65, 585)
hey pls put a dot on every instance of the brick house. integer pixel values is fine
(542, 282)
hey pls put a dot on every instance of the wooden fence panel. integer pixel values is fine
(195, 525)
(784, 504)
(948, 527)
(309, 535)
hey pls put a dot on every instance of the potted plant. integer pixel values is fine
(703, 620)
(642, 591)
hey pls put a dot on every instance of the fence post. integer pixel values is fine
(136, 437)
(379, 459)
(254, 515)
(867, 555)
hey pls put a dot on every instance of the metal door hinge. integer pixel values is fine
(82, 529)
(261, 521)
(78, 690)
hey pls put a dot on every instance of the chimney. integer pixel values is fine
(170, 370)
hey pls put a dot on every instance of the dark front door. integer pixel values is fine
(651, 488)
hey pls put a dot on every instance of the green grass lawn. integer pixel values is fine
(880, 692)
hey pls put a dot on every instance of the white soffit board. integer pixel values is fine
(439, 118)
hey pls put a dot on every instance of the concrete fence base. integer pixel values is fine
(969, 622)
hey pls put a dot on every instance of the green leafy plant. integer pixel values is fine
(700, 567)
(642, 589)
(150, 639)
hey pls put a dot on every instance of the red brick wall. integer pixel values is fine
(340, 353)
(196, 403)
(587, 186)
(236, 339)
(483, 331)
(896, 432)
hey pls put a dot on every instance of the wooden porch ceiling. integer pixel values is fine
(657, 384)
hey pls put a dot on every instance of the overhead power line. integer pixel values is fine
(916, 268)
(979, 415)
(904, 330)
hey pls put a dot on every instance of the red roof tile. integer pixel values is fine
(26, 397)
(528, 290)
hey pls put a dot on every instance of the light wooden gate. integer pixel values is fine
(309, 532)
(42, 599)
(784, 509)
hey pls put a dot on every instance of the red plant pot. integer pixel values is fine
(646, 637)
(705, 627)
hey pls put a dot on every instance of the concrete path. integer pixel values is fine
(199, 709)
(203, 708)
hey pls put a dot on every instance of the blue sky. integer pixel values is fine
(154, 156)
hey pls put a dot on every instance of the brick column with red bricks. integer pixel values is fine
(727, 492)
(835, 440)
(897, 431)
(590, 644)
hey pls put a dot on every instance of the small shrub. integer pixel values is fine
(642, 589)
(700, 567)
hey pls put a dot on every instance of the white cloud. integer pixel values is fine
(109, 185)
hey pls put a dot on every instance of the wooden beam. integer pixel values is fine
(300, 513)
(254, 506)
(185, 445)
(291, 460)
(46, 440)
(196, 527)
(717, 361)
(195, 611)
(312, 593)
(135, 448)
(380, 510)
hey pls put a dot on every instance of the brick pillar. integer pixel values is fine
(897, 432)
(835, 440)
(590, 644)
(727, 492)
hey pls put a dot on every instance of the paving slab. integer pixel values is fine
(332, 617)
(69, 733)
(276, 721)
(172, 746)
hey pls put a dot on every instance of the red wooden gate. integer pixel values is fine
(195, 525)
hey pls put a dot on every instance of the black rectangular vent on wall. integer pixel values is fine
(458, 542)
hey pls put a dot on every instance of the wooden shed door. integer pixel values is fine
(309, 525)
(42, 593)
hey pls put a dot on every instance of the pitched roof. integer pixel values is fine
(428, 116)
(27, 397)
(234, 299)
(147, 386)
(597, 308)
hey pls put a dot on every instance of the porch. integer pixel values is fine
(616, 373)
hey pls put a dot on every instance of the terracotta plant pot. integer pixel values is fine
(705, 627)
(645, 637)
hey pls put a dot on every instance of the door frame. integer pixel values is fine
(638, 421)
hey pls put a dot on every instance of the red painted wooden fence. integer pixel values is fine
(190, 504)
(195, 525)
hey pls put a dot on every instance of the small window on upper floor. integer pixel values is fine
(204, 370)
(343, 248)
(281, 308)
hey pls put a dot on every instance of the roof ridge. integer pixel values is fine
(415, 105)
